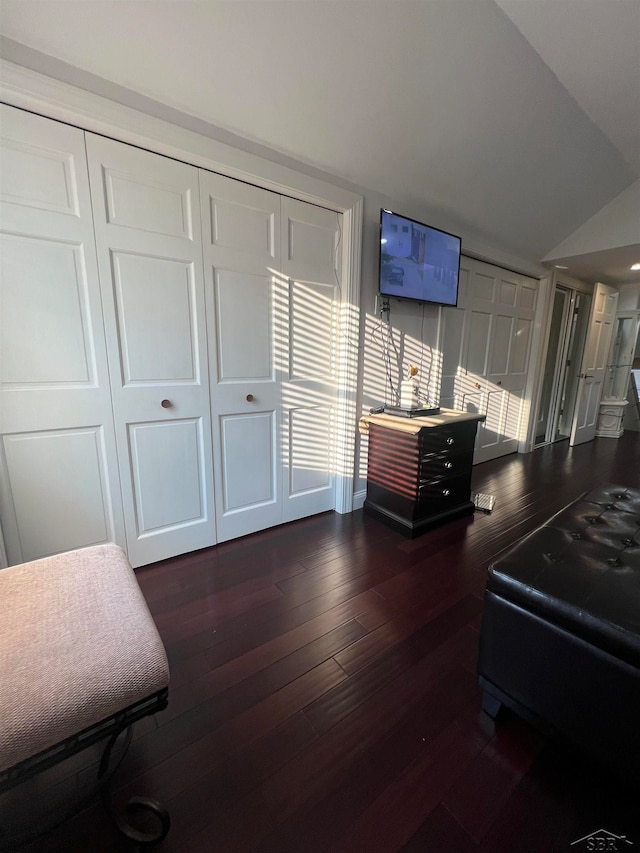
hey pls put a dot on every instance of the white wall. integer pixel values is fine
(435, 99)
(617, 224)
(414, 330)
(629, 299)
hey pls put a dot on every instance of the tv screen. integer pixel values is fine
(418, 262)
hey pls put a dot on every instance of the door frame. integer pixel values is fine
(607, 291)
(560, 356)
(30, 90)
(540, 345)
(565, 343)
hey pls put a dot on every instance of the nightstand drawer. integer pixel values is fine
(453, 437)
(445, 464)
(444, 492)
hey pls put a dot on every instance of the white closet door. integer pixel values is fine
(490, 376)
(246, 300)
(271, 270)
(594, 364)
(59, 485)
(147, 222)
(311, 265)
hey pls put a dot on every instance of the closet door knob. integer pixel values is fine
(249, 398)
(166, 404)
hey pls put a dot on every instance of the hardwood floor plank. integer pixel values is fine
(323, 694)
(420, 732)
(441, 833)
(314, 810)
(193, 712)
(341, 701)
(209, 590)
(184, 670)
(236, 636)
(244, 771)
(183, 768)
(403, 696)
(536, 813)
(394, 816)
(376, 643)
(439, 591)
(479, 796)
(241, 667)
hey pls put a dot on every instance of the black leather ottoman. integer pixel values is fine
(560, 637)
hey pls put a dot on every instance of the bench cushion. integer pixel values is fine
(77, 645)
(581, 571)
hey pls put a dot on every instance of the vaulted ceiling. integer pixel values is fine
(518, 119)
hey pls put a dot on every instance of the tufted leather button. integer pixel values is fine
(554, 558)
(620, 497)
(609, 506)
(594, 519)
(614, 562)
(628, 542)
(577, 535)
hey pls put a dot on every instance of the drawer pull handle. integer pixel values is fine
(446, 492)
(249, 398)
(448, 464)
(166, 404)
(449, 440)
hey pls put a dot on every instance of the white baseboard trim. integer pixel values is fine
(359, 498)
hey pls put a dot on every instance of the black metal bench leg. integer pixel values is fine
(136, 805)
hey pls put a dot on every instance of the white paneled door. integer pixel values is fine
(147, 224)
(486, 346)
(245, 297)
(271, 287)
(140, 297)
(594, 364)
(59, 486)
(310, 263)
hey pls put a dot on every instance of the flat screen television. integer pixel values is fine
(417, 261)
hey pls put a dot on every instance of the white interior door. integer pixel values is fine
(246, 295)
(594, 364)
(552, 384)
(147, 223)
(487, 372)
(59, 486)
(311, 265)
(270, 267)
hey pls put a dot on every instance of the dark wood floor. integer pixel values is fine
(324, 697)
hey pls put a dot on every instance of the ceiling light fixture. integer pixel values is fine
(635, 267)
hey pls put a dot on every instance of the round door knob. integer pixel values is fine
(446, 492)
(249, 398)
(448, 464)
(499, 383)
(449, 440)
(166, 404)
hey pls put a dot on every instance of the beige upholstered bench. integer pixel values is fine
(80, 660)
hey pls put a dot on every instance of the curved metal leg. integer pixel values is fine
(136, 805)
